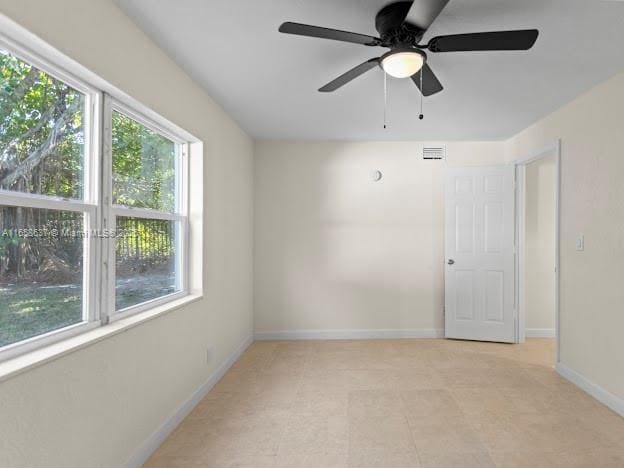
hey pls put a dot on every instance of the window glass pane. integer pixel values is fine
(40, 271)
(143, 166)
(145, 260)
(42, 131)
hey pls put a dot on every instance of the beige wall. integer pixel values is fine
(592, 165)
(94, 407)
(335, 250)
(540, 216)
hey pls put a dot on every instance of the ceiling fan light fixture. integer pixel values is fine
(403, 63)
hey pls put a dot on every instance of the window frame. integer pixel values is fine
(98, 212)
(111, 211)
(87, 206)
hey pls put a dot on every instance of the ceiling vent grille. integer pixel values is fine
(434, 153)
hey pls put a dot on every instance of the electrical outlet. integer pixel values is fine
(209, 354)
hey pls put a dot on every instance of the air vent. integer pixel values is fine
(434, 152)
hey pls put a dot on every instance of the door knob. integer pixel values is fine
(451, 261)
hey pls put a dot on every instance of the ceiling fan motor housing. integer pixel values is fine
(392, 36)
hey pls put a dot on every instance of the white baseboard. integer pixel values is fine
(614, 402)
(541, 333)
(149, 446)
(347, 334)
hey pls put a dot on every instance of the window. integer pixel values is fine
(42, 274)
(44, 202)
(148, 209)
(86, 236)
(144, 261)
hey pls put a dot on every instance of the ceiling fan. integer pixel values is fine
(401, 25)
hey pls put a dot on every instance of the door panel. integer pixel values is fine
(464, 221)
(494, 229)
(464, 297)
(494, 296)
(479, 274)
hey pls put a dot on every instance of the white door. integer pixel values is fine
(479, 247)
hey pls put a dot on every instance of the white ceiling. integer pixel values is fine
(268, 81)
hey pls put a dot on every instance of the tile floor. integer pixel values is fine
(395, 403)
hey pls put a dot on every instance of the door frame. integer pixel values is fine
(521, 164)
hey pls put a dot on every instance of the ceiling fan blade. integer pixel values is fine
(325, 33)
(424, 12)
(350, 75)
(499, 40)
(430, 83)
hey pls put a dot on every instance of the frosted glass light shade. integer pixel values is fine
(403, 64)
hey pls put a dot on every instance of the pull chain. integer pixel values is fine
(421, 116)
(385, 99)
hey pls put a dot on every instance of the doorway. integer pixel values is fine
(538, 247)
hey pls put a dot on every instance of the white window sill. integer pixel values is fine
(25, 362)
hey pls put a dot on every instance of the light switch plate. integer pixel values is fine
(580, 243)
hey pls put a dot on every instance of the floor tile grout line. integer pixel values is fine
(418, 454)
(469, 419)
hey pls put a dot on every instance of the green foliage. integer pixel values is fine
(144, 244)
(143, 177)
(31, 103)
(30, 311)
(143, 166)
(42, 144)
